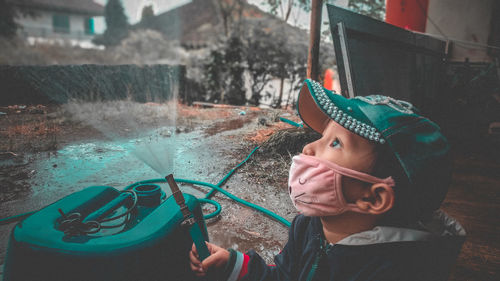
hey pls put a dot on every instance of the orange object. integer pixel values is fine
(329, 77)
(408, 14)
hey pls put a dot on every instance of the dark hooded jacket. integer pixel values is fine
(425, 252)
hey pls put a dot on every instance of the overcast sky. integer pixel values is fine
(133, 10)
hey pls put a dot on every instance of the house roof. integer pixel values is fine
(86, 7)
(182, 23)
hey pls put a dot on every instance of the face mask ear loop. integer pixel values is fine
(364, 177)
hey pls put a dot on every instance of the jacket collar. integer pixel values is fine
(439, 226)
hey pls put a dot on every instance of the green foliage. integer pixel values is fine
(371, 8)
(278, 53)
(213, 73)
(147, 13)
(256, 57)
(8, 26)
(115, 15)
(283, 7)
(116, 24)
(259, 57)
(223, 73)
(235, 93)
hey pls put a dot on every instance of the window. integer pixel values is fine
(60, 23)
(89, 26)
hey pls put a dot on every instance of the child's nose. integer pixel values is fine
(308, 149)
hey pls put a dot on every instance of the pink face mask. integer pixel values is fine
(315, 186)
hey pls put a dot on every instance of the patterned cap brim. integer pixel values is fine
(316, 106)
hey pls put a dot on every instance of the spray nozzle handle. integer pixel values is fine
(194, 228)
(179, 198)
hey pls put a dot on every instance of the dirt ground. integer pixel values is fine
(230, 134)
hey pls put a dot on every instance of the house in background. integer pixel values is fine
(71, 20)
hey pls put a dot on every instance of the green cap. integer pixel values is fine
(417, 143)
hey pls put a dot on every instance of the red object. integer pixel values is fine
(328, 81)
(408, 14)
(244, 268)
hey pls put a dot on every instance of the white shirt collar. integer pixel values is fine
(440, 225)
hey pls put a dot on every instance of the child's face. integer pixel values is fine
(343, 148)
(346, 149)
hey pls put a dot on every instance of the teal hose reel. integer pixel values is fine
(101, 233)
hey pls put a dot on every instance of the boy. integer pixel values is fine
(368, 192)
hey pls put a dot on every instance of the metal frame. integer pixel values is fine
(347, 26)
(345, 60)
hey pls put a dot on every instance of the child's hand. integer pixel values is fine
(218, 258)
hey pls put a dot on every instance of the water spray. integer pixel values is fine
(151, 241)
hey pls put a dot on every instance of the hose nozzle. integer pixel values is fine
(179, 198)
(189, 221)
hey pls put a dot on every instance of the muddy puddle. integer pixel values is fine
(203, 154)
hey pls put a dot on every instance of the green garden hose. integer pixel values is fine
(223, 191)
(205, 200)
(202, 200)
(211, 193)
(283, 119)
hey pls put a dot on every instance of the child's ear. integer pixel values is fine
(377, 199)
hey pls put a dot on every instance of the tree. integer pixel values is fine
(254, 58)
(371, 8)
(259, 59)
(116, 24)
(8, 14)
(223, 72)
(115, 15)
(294, 68)
(147, 13)
(283, 8)
(235, 92)
(230, 12)
(8, 26)
(270, 53)
(214, 74)
(283, 62)
(252, 53)
(297, 74)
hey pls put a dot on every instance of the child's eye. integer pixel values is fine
(335, 143)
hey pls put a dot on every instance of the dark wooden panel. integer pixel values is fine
(385, 59)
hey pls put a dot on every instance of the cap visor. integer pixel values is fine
(310, 113)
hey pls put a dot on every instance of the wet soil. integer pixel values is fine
(45, 155)
(38, 167)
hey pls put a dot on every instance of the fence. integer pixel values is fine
(60, 83)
